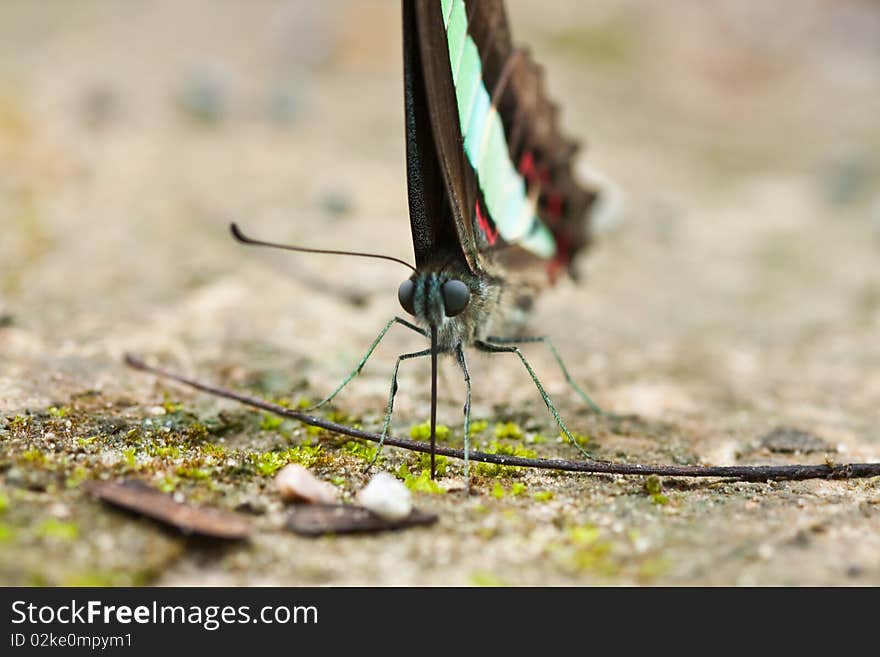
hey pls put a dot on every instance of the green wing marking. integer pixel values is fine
(485, 144)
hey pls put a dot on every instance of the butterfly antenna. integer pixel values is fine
(244, 239)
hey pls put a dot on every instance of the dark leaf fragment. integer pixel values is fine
(320, 519)
(138, 497)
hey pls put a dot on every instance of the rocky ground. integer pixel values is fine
(734, 290)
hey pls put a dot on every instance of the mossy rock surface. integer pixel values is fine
(739, 293)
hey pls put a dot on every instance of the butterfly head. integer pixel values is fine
(434, 297)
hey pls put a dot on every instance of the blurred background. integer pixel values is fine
(735, 284)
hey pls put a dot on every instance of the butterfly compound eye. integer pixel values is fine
(406, 294)
(455, 297)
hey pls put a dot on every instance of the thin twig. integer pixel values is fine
(744, 472)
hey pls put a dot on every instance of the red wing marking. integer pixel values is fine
(489, 231)
(554, 204)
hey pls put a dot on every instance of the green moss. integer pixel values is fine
(4, 503)
(85, 442)
(421, 483)
(7, 532)
(59, 412)
(508, 430)
(517, 489)
(440, 463)
(492, 470)
(190, 472)
(506, 449)
(196, 432)
(78, 476)
(478, 426)
(101, 578)
(92, 580)
(423, 432)
(168, 483)
(579, 438)
(595, 557)
(537, 439)
(362, 451)
(163, 451)
(267, 464)
(270, 422)
(214, 450)
(58, 530)
(34, 456)
(305, 454)
(542, 496)
(591, 552)
(132, 436)
(130, 456)
(584, 534)
(498, 490)
(481, 578)
(19, 423)
(654, 486)
(652, 567)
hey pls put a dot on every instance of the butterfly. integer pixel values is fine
(495, 211)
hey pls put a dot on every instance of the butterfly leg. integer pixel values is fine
(357, 370)
(580, 392)
(391, 394)
(459, 354)
(513, 349)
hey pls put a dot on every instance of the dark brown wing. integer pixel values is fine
(442, 190)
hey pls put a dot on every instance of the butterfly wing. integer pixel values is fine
(441, 189)
(505, 164)
(543, 155)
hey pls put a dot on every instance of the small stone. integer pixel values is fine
(791, 440)
(297, 484)
(157, 410)
(387, 497)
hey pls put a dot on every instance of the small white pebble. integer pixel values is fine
(296, 483)
(157, 410)
(641, 544)
(386, 496)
